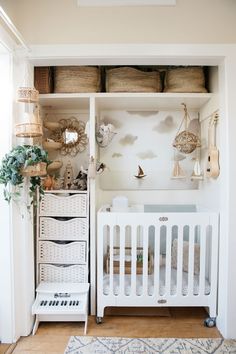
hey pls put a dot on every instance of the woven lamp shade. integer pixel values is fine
(30, 128)
(27, 95)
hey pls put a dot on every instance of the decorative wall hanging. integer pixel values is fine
(71, 134)
(185, 141)
(213, 167)
(105, 134)
(178, 172)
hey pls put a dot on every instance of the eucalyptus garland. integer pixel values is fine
(20, 157)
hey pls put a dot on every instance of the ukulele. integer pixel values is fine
(213, 167)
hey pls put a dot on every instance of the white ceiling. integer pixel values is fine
(126, 2)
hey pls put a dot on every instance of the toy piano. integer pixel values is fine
(61, 302)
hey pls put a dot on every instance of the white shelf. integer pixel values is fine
(127, 101)
(65, 101)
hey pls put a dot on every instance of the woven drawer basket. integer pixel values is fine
(76, 79)
(132, 80)
(43, 79)
(191, 80)
(52, 229)
(63, 273)
(73, 205)
(52, 252)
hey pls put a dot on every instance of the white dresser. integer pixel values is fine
(62, 237)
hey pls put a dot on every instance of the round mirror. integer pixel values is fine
(71, 135)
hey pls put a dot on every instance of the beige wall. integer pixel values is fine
(62, 22)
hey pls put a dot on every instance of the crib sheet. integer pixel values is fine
(139, 286)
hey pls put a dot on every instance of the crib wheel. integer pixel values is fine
(210, 322)
(98, 320)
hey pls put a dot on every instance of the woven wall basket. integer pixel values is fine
(127, 79)
(39, 169)
(191, 80)
(52, 145)
(27, 95)
(28, 130)
(76, 79)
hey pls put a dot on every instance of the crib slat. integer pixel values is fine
(191, 260)
(134, 259)
(100, 257)
(180, 260)
(168, 260)
(145, 260)
(157, 260)
(122, 259)
(202, 259)
(112, 236)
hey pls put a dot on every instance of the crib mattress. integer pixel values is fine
(139, 286)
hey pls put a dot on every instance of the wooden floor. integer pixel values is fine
(52, 338)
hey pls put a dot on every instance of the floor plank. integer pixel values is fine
(52, 338)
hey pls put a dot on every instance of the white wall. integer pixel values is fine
(6, 251)
(62, 22)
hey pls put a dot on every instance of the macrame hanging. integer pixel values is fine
(185, 141)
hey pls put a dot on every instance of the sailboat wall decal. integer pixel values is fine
(141, 173)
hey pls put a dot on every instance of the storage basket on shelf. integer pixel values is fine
(73, 229)
(43, 79)
(126, 79)
(186, 79)
(75, 273)
(76, 79)
(52, 252)
(127, 261)
(69, 205)
(39, 169)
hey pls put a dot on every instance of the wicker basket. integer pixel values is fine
(28, 95)
(127, 263)
(73, 229)
(28, 130)
(51, 145)
(54, 166)
(43, 79)
(39, 169)
(58, 205)
(76, 273)
(70, 253)
(77, 79)
(191, 80)
(127, 79)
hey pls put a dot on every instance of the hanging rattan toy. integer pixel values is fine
(185, 141)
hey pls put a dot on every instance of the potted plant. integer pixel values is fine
(23, 161)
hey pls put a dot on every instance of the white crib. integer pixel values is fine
(157, 256)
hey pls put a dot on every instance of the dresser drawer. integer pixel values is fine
(76, 273)
(68, 253)
(73, 229)
(63, 205)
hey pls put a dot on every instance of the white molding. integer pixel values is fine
(126, 2)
